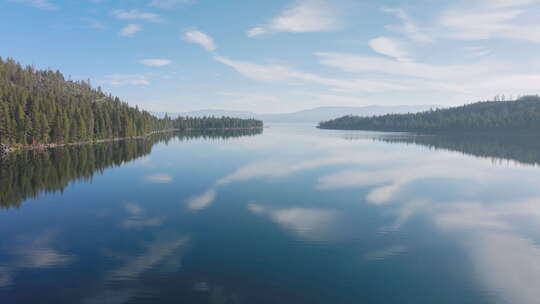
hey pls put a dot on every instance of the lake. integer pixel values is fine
(290, 215)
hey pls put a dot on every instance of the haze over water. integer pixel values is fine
(293, 215)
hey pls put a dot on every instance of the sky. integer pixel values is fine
(282, 55)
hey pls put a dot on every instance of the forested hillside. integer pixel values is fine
(42, 107)
(521, 115)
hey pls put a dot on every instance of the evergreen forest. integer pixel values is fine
(42, 107)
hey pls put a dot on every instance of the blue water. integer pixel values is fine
(293, 215)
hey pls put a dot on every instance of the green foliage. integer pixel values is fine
(42, 107)
(521, 115)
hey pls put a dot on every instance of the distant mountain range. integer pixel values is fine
(308, 116)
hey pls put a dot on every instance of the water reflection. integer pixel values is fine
(123, 283)
(521, 149)
(493, 212)
(29, 174)
(294, 216)
(307, 223)
(36, 251)
(138, 219)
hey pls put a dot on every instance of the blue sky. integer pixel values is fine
(282, 55)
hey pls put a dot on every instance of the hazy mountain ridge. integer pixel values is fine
(310, 115)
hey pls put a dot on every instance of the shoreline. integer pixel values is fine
(5, 149)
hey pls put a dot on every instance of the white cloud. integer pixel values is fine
(477, 25)
(508, 3)
(362, 63)
(155, 62)
(282, 73)
(389, 47)
(201, 39)
(302, 17)
(475, 20)
(475, 77)
(131, 29)
(256, 31)
(483, 19)
(262, 72)
(168, 3)
(476, 51)
(40, 4)
(409, 27)
(136, 15)
(117, 80)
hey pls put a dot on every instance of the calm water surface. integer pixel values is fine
(293, 215)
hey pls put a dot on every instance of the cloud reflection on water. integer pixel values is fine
(33, 252)
(307, 223)
(488, 207)
(138, 218)
(122, 290)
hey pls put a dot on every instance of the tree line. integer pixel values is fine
(43, 107)
(521, 115)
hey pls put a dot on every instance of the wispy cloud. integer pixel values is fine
(155, 62)
(168, 3)
(136, 15)
(476, 51)
(117, 80)
(281, 73)
(409, 27)
(478, 25)
(130, 30)
(389, 47)
(40, 4)
(474, 20)
(302, 17)
(508, 3)
(201, 39)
